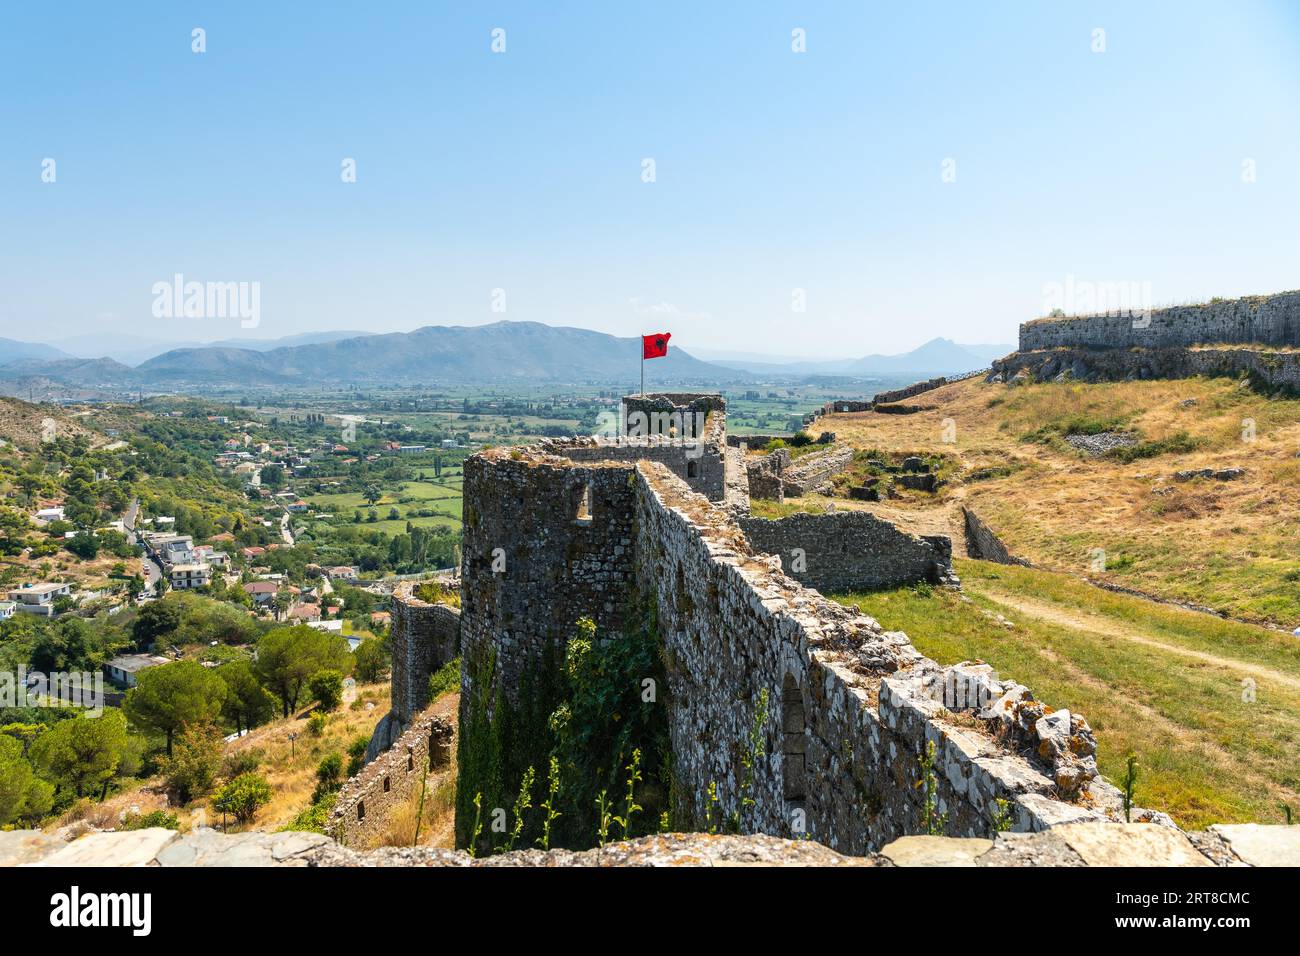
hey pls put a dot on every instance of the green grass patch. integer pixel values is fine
(1207, 753)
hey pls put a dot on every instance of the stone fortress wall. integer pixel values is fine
(850, 551)
(851, 706)
(570, 529)
(390, 780)
(423, 638)
(1259, 320)
(1252, 337)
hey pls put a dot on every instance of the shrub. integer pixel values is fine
(357, 754)
(154, 818)
(243, 796)
(245, 761)
(326, 687)
(329, 773)
(314, 818)
(431, 592)
(445, 679)
(316, 724)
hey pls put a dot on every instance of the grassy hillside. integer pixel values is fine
(1210, 707)
(1230, 545)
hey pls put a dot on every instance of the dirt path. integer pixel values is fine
(1096, 624)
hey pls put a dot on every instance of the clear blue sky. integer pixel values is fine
(522, 170)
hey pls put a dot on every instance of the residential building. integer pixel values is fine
(186, 576)
(263, 592)
(124, 670)
(39, 598)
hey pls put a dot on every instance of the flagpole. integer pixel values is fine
(643, 365)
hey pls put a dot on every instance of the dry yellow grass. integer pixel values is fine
(1230, 545)
(438, 824)
(290, 766)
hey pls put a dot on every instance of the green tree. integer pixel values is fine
(157, 620)
(371, 493)
(14, 526)
(372, 661)
(84, 545)
(288, 657)
(83, 753)
(247, 702)
(69, 645)
(326, 688)
(169, 697)
(23, 795)
(192, 768)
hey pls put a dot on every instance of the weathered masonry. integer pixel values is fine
(850, 551)
(1260, 320)
(423, 638)
(1252, 337)
(854, 710)
(390, 780)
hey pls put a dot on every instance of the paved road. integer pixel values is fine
(152, 573)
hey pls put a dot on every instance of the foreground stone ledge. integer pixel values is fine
(1081, 844)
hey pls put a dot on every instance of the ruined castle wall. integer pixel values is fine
(702, 465)
(1273, 369)
(849, 551)
(365, 801)
(424, 637)
(851, 707)
(810, 472)
(982, 543)
(1263, 320)
(765, 475)
(561, 535)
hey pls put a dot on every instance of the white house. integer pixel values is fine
(123, 670)
(39, 598)
(186, 576)
(7, 609)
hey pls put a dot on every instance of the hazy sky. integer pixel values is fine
(774, 170)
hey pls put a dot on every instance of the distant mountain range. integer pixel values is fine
(500, 353)
(937, 357)
(12, 351)
(134, 349)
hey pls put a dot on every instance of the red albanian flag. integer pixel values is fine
(655, 346)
